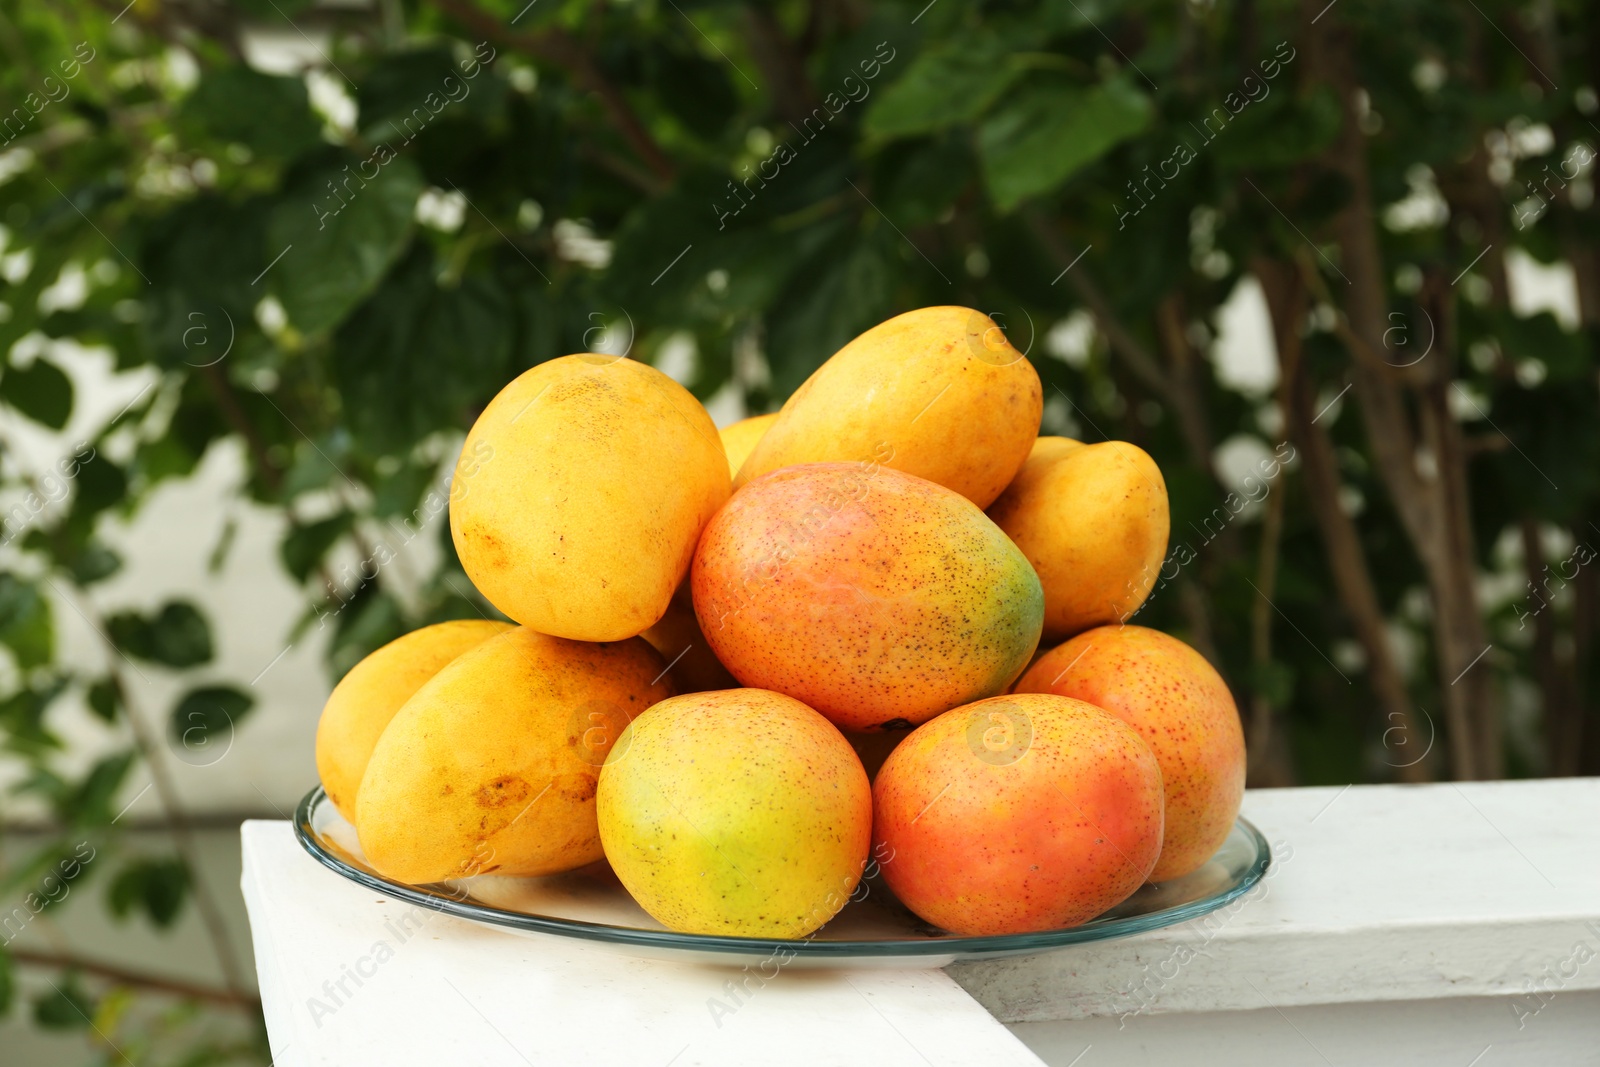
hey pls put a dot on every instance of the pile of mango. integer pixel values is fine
(749, 668)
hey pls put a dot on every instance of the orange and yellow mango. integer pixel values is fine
(877, 598)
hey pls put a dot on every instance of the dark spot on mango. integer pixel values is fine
(504, 790)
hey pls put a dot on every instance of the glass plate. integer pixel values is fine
(590, 904)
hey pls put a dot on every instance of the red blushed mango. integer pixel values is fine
(1181, 707)
(878, 598)
(1017, 813)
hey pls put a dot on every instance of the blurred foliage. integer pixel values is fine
(333, 269)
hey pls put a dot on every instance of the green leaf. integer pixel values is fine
(398, 493)
(270, 113)
(1277, 130)
(419, 355)
(697, 91)
(204, 719)
(94, 562)
(305, 546)
(103, 700)
(101, 485)
(927, 182)
(340, 228)
(42, 391)
(89, 804)
(65, 1007)
(943, 87)
(405, 93)
(177, 636)
(829, 307)
(26, 625)
(156, 887)
(22, 717)
(201, 258)
(1050, 129)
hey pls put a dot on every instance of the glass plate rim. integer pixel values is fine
(958, 947)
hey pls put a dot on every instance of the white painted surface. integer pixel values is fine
(1469, 1032)
(451, 992)
(1435, 925)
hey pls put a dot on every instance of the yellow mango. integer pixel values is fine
(741, 812)
(739, 438)
(1093, 520)
(361, 705)
(939, 393)
(491, 767)
(694, 667)
(580, 494)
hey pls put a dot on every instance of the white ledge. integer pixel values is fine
(1376, 893)
(1431, 925)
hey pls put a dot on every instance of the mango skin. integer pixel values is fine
(1017, 813)
(1093, 520)
(694, 668)
(877, 598)
(740, 812)
(491, 767)
(580, 493)
(1184, 711)
(938, 393)
(740, 437)
(366, 699)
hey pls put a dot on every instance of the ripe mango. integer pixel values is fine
(693, 667)
(740, 437)
(1093, 521)
(938, 393)
(1184, 711)
(361, 705)
(589, 481)
(492, 765)
(740, 812)
(878, 598)
(1017, 813)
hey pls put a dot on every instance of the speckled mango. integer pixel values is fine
(366, 698)
(740, 437)
(877, 598)
(580, 493)
(1093, 520)
(492, 766)
(939, 393)
(740, 812)
(1017, 813)
(1184, 711)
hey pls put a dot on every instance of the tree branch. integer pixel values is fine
(792, 94)
(123, 976)
(1319, 474)
(559, 48)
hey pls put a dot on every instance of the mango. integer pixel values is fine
(740, 437)
(878, 598)
(1184, 711)
(938, 393)
(741, 812)
(1093, 521)
(694, 668)
(580, 493)
(366, 698)
(1017, 813)
(492, 766)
